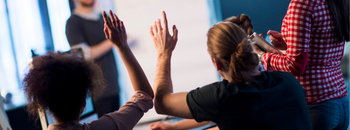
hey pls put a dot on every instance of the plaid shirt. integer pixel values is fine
(313, 55)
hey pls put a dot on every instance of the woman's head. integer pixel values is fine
(60, 83)
(227, 43)
(242, 21)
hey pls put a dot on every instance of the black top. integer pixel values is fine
(276, 100)
(79, 30)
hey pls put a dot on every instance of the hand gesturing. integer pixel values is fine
(163, 41)
(277, 40)
(114, 29)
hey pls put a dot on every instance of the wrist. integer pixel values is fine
(260, 56)
(164, 55)
(171, 126)
(121, 48)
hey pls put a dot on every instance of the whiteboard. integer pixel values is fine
(191, 66)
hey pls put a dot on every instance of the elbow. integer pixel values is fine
(297, 71)
(152, 95)
(159, 104)
(159, 108)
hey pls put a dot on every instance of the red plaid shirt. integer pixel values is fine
(313, 55)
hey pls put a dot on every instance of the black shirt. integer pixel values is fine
(80, 30)
(275, 100)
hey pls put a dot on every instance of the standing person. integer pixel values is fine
(84, 29)
(246, 99)
(314, 34)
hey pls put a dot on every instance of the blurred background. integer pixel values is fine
(39, 25)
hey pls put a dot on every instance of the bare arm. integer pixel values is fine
(100, 49)
(166, 102)
(183, 124)
(115, 32)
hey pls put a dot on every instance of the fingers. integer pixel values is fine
(113, 20)
(165, 21)
(159, 26)
(118, 20)
(155, 27)
(121, 25)
(175, 32)
(153, 126)
(105, 19)
(151, 31)
(270, 32)
(272, 38)
(106, 31)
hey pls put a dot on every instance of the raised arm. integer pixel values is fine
(116, 33)
(166, 102)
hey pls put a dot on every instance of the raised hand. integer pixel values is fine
(277, 40)
(114, 29)
(163, 41)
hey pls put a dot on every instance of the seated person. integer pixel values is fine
(246, 99)
(60, 83)
(245, 23)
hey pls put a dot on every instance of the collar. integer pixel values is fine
(94, 16)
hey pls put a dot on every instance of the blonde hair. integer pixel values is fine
(228, 43)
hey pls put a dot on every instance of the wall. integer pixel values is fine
(265, 14)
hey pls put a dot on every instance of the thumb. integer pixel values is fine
(271, 32)
(175, 31)
(275, 34)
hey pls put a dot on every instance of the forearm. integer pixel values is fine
(188, 124)
(162, 84)
(277, 62)
(137, 76)
(100, 49)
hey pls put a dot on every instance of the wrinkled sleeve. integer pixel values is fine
(127, 116)
(203, 103)
(297, 25)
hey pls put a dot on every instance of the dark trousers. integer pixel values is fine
(106, 105)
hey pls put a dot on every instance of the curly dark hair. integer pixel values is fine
(61, 83)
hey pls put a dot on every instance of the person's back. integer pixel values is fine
(275, 100)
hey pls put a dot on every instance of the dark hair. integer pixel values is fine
(60, 83)
(242, 21)
(339, 10)
(228, 43)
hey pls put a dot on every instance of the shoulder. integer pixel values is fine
(279, 75)
(213, 86)
(215, 90)
(296, 5)
(206, 88)
(73, 19)
(307, 3)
